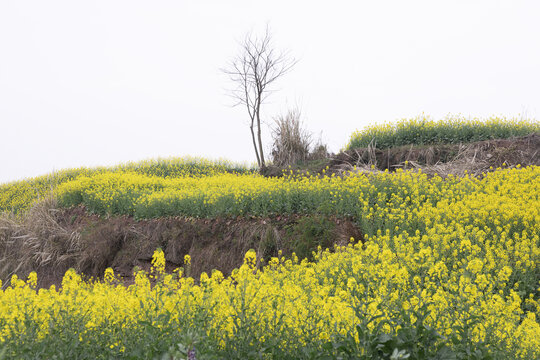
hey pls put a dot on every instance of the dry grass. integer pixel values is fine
(291, 141)
(36, 240)
(293, 144)
(50, 240)
(357, 160)
(460, 159)
(477, 159)
(465, 162)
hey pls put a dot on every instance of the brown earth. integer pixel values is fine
(473, 158)
(51, 240)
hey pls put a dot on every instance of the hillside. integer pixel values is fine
(427, 250)
(92, 230)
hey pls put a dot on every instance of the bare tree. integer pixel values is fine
(254, 70)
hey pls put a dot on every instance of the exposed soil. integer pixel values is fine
(90, 244)
(474, 158)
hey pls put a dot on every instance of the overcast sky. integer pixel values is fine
(86, 83)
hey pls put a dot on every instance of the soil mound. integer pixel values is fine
(473, 158)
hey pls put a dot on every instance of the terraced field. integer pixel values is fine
(447, 268)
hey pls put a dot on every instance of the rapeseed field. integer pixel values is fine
(448, 269)
(18, 196)
(454, 129)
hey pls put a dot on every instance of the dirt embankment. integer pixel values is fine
(444, 159)
(474, 158)
(51, 240)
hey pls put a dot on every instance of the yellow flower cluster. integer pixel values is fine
(424, 130)
(18, 196)
(458, 255)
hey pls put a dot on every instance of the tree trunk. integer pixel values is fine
(255, 144)
(262, 164)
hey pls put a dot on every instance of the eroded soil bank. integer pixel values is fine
(473, 158)
(51, 240)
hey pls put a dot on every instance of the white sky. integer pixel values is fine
(86, 83)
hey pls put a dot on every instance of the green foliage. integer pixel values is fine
(423, 130)
(311, 233)
(397, 338)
